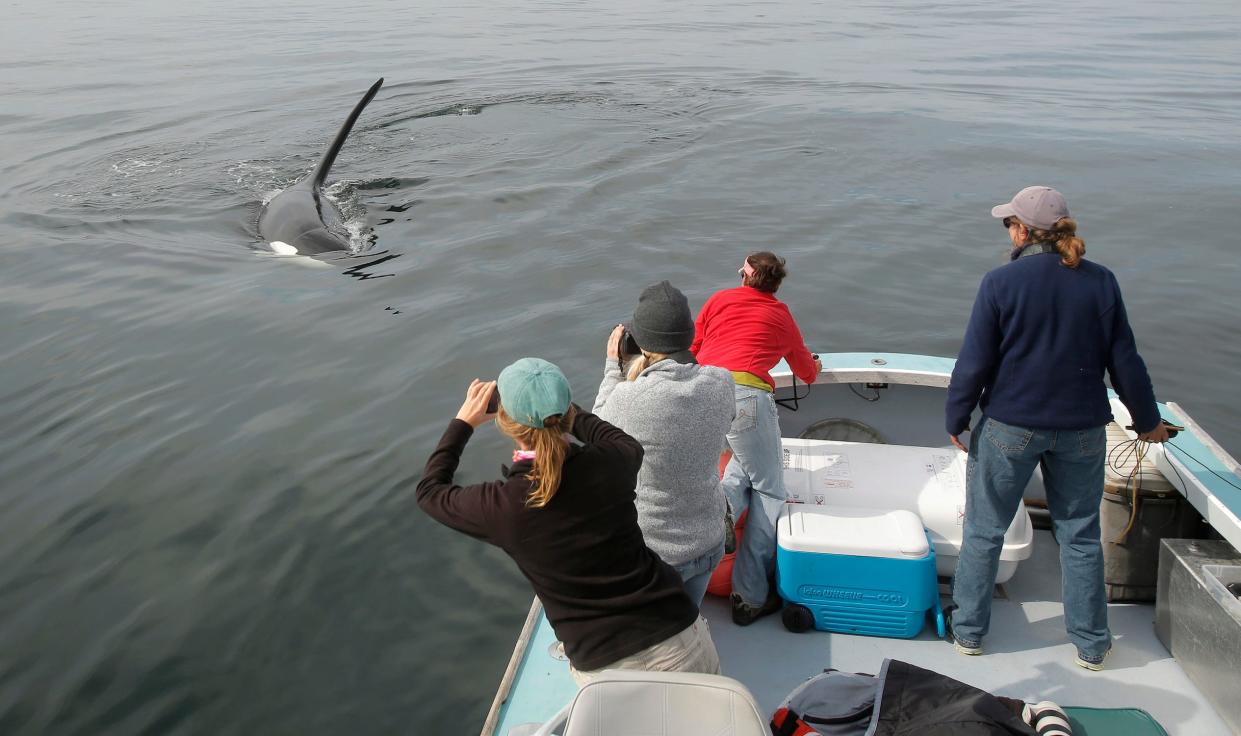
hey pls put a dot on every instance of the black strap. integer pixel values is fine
(792, 403)
(857, 715)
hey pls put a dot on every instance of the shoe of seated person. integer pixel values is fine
(745, 614)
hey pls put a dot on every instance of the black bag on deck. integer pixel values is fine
(903, 700)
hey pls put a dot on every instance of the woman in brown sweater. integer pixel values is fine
(565, 514)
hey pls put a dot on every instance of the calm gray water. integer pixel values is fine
(208, 454)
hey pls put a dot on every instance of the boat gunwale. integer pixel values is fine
(514, 663)
(877, 368)
(1216, 512)
(1228, 461)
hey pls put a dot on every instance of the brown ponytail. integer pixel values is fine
(550, 450)
(1063, 235)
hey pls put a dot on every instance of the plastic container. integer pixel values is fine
(856, 571)
(1140, 508)
(928, 481)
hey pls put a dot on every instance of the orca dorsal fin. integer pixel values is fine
(329, 158)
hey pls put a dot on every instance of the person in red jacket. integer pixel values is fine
(747, 331)
(564, 512)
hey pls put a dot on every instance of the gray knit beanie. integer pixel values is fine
(662, 322)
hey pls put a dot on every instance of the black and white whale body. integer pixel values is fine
(293, 221)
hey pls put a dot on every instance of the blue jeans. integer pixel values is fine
(1002, 459)
(754, 480)
(696, 574)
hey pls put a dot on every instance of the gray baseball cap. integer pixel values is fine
(1041, 207)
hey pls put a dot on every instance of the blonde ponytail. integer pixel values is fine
(1063, 235)
(642, 362)
(550, 450)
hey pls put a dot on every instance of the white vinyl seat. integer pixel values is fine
(637, 703)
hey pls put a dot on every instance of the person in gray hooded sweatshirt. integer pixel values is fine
(680, 412)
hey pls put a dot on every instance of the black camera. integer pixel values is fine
(628, 346)
(1173, 429)
(493, 404)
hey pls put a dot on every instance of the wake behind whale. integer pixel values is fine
(296, 221)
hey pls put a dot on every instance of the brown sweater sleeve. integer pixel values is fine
(605, 437)
(469, 509)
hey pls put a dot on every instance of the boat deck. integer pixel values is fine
(1027, 656)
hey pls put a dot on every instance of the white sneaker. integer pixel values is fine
(1094, 664)
(966, 649)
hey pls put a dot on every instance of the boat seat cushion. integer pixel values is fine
(1113, 722)
(635, 703)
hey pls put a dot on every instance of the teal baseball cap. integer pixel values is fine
(531, 390)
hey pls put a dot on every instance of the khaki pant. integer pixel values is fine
(692, 650)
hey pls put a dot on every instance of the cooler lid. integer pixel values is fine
(841, 530)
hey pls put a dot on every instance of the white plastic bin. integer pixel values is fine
(928, 481)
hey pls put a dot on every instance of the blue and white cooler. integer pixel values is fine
(856, 571)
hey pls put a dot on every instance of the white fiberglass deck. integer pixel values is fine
(1027, 656)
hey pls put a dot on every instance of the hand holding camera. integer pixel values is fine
(614, 341)
(478, 405)
(1162, 432)
(622, 346)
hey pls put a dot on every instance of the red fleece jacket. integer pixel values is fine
(744, 329)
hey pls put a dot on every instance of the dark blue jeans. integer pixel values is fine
(1002, 459)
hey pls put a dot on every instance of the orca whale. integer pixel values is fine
(293, 222)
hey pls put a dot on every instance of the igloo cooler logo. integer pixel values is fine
(869, 597)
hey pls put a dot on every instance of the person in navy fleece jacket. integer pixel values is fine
(1044, 329)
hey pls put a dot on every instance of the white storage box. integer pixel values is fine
(928, 481)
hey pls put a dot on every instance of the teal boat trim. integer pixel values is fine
(1207, 476)
(547, 685)
(902, 368)
(533, 617)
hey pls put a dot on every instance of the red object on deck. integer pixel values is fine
(721, 582)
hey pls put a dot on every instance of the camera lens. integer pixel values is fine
(629, 346)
